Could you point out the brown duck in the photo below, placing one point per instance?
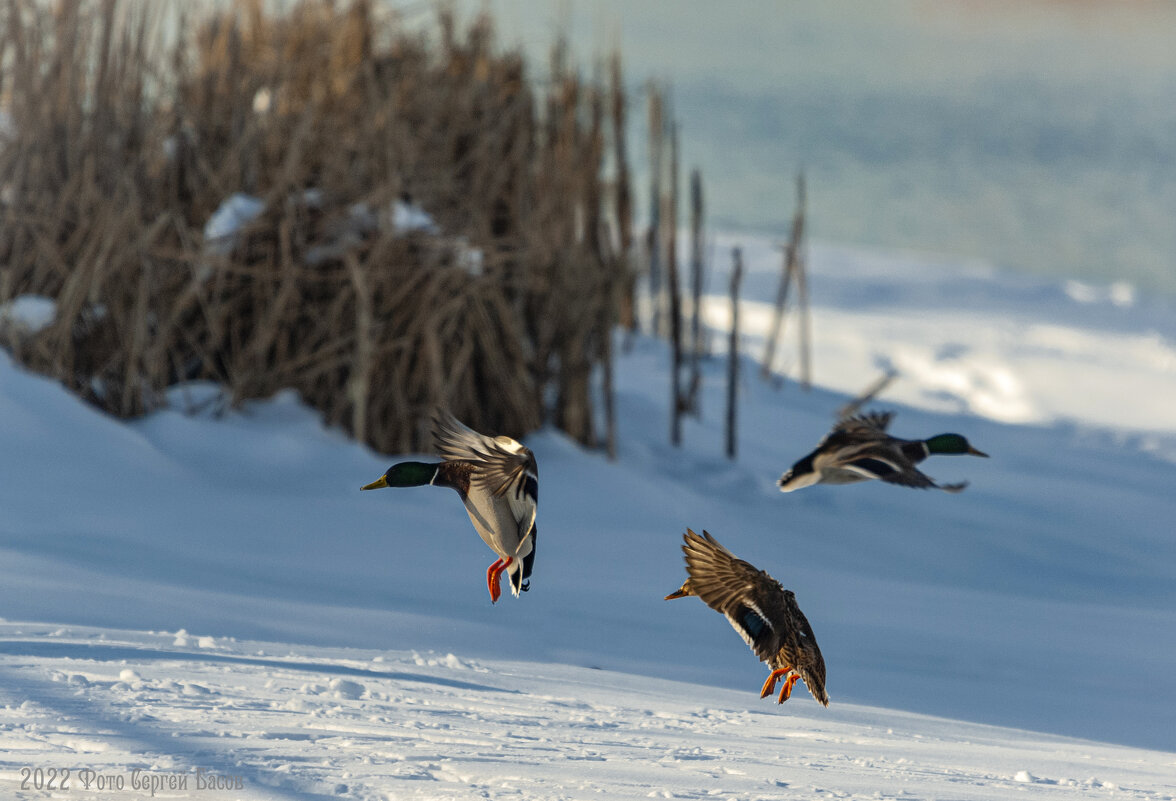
(760, 609)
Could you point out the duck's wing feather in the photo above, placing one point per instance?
(910, 477)
(501, 466)
(808, 661)
(870, 424)
(848, 436)
(748, 597)
(853, 433)
(888, 466)
(802, 625)
(894, 468)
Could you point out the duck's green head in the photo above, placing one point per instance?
(951, 443)
(405, 474)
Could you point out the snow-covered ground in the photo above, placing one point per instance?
(286, 722)
(325, 643)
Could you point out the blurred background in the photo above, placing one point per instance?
(1037, 135)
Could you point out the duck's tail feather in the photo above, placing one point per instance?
(515, 575)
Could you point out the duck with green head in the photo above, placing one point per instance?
(859, 449)
(497, 480)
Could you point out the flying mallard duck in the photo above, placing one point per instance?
(858, 448)
(498, 482)
(763, 612)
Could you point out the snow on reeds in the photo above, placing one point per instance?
(122, 142)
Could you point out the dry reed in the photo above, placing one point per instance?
(121, 146)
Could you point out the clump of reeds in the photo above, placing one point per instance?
(120, 148)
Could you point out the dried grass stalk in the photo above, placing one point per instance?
(120, 149)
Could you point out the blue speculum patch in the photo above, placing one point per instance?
(752, 623)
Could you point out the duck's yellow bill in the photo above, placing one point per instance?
(975, 452)
(379, 483)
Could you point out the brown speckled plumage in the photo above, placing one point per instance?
(764, 613)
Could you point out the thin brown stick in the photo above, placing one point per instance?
(656, 138)
(867, 395)
(693, 402)
(790, 266)
(677, 402)
(733, 355)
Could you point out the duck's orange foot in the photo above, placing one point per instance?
(494, 578)
(773, 677)
(786, 690)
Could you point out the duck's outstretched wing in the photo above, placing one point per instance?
(894, 468)
(850, 435)
(501, 466)
(868, 427)
(748, 597)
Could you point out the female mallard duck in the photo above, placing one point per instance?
(763, 612)
(858, 448)
(498, 482)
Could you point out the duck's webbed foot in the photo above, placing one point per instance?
(494, 578)
(773, 677)
(786, 690)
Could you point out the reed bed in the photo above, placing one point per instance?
(124, 139)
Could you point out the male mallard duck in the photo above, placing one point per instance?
(498, 482)
(858, 448)
(763, 612)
